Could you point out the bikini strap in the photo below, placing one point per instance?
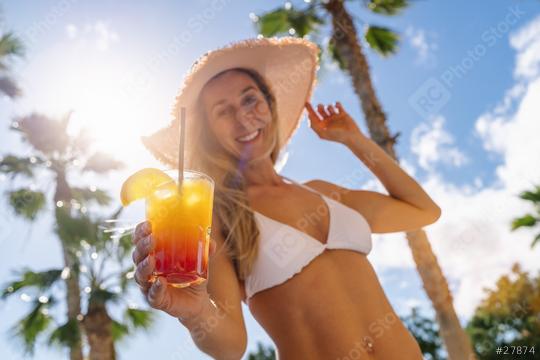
(302, 185)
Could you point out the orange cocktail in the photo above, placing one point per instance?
(181, 222)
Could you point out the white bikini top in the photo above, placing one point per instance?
(285, 250)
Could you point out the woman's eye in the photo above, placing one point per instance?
(249, 100)
(222, 112)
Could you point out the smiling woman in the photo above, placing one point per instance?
(296, 254)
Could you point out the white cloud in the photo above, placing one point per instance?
(105, 35)
(71, 31)
(99, 33)
(422, 42)
(472, 239)
(527, 42)
(433, 144)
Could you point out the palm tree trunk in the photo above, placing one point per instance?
(63, 194)
(345, 41)
(98, 327)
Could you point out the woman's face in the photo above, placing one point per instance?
(237, 113)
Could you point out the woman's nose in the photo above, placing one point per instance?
(246, 117)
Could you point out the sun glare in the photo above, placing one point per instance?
(95, 85)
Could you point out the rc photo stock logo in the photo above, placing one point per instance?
(435, 92)
(283, 247)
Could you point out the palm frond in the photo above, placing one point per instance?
(31, 326)
(40, 280)
(26, 203)
(72, 229)
(282, 20)
(102, 296)
(125, 277)
(273, 23)
(119, 330)
(533, 196)
(44, 134)
(383, 40)
(88, 195)
(101, 163)
(139, 318)
(13, 165)
(536, 241)
(524, 221)
(65, 335)
(334, 54)
(80, 143)
(9, 87)
(387, 7)
(10, 46)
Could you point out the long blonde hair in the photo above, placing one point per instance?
(231, 206)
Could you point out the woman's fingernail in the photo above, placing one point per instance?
(158, 283)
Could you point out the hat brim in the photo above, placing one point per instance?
(288, 64)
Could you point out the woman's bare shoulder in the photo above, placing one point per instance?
(327, 188)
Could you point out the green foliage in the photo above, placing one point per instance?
(88, 195)
(72, 229)
(13, 165)
(32, 325)
(383, 40)
(273, 23)
(508, 315)
(125, 279)
(529, 220)
(138, 318)
(27, 278)
(336, 56)
(125, 245)
(26, 203)
(533, 196)
(10, 46)
(119, 330)
(133, 319)
(426, 332)
(279, 21)
(387, 7)
(263, 353)
(102, 296)
(67, 334)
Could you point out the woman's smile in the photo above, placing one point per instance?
(250, 138)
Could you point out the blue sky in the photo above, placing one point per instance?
(119, 64)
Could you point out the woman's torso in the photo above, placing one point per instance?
(335, 307)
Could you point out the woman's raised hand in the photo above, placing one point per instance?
(182, 303)
(332, 123)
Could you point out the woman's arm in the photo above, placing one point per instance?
(211, 311)
(219, 328)
(407, 207)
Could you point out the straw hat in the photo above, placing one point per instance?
(288, 65)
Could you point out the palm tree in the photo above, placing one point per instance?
(345, 48)
(530, 220)
(426, 332)
(94, 259)
(263, 353)
(10, 47)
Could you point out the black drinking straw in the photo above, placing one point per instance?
(181, 148)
